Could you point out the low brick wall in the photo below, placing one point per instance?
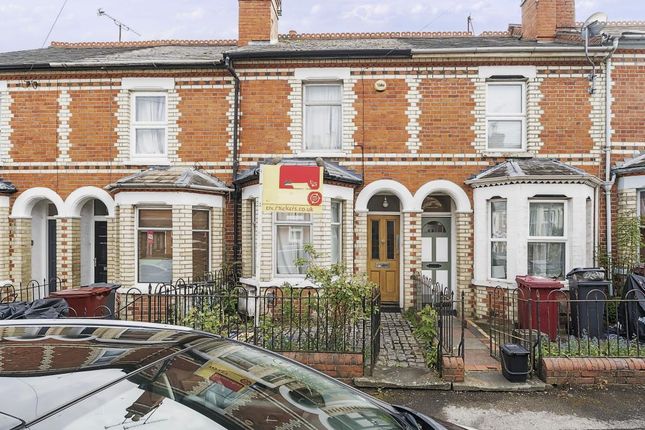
(593, 371)
(337, 365)
(452, 369)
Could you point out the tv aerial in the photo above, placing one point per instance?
(122, 26)
(593, 26)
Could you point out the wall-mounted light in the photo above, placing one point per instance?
(385, 202)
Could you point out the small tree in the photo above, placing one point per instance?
(625, 257)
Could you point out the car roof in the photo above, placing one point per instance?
(37, 357)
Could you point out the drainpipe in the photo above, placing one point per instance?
(609, 178)
(236, 164)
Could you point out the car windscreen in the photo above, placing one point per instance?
(223, 384)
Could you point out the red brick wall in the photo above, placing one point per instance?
(539, 19)
(203, 123)
(265, 120)
(446, 116)
(380, 116)
(343, 366)
(566, 116)
(93, 122)
(629, 104)
(255, 21)
(34, 124)
(593, 371)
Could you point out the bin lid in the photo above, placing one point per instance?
(102, 284)
(538, 282)
(587, 274)
(513, 349)
(82, 292)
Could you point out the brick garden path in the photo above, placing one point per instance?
(399, 348)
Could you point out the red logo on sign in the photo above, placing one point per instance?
(300, 177)
(315, 198)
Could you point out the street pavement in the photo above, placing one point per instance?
(556, 409)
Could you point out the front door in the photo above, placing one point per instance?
(435, 249)
(383, 255)
(100, 251)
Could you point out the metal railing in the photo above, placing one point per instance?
(451, 321)
(555, 325)
(30, 291)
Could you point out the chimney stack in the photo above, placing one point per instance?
(258, 21)
(541, 19)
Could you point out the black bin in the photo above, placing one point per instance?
(110, 303)
(589, 291)
(515, 362)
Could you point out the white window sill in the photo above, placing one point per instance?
(279, 282)
(150, 161)
(322, 154)
(520, 153)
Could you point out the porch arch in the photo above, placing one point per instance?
(22, 207)
(75, 201)
(458, 195)
(389, 186)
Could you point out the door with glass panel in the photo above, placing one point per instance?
(383, 255)
(435, 249)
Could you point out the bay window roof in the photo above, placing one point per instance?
(634, 165)
(532, 170)
(332, 171)
(171, 178)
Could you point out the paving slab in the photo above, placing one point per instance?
(495, 382)
(413, 378)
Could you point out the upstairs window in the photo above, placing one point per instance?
(149, 125)
(323, 117)
(506, 116)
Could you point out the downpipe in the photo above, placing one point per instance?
(236, 163)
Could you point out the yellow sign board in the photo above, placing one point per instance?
(290, 188)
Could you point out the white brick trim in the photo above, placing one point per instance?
(5, 123)
(64, 130)
(168, 198)
(413, 113)
(148, 84)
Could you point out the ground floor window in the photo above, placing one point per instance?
(155, 245)
(498, 239)
(201, 242)
(547, 239)
(336, 231)
(292, 233)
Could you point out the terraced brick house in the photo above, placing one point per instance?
(468, 158)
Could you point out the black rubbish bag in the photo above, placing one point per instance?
(38, 309)
(631, 313)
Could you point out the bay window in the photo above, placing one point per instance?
(498, 239)
(154, 233)
(506, 115)
(547, 240)
(323, 117)
(292, 233)
(201, 242)
(336, 231)
(149, 125)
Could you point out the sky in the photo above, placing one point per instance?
(24, 24)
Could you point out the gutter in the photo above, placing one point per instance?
(568, 179)
(95, 66)
(237, 195)
(320, 53)
(518, 49)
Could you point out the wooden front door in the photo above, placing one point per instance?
(383, 255)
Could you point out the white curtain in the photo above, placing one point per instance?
(546, 220)
(290, 247)
(323, 117)
(498, 219)
(150, 109)
(150, 141)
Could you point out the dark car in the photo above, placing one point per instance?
(95, 374)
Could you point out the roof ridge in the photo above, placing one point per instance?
(627, 22)
(145, 43)
(374, 35)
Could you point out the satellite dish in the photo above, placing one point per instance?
(595, 24)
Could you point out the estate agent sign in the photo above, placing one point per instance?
(292, 188)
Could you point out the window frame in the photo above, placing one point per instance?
(134, 125)
(136, 238)
(305, 104)
(523, 116)
(550, 239)
(208, 240)
(492, 239)
(253, 232)
(640, 193)
(339, 224)
(276, 223)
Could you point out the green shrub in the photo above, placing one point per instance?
(426, 330)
